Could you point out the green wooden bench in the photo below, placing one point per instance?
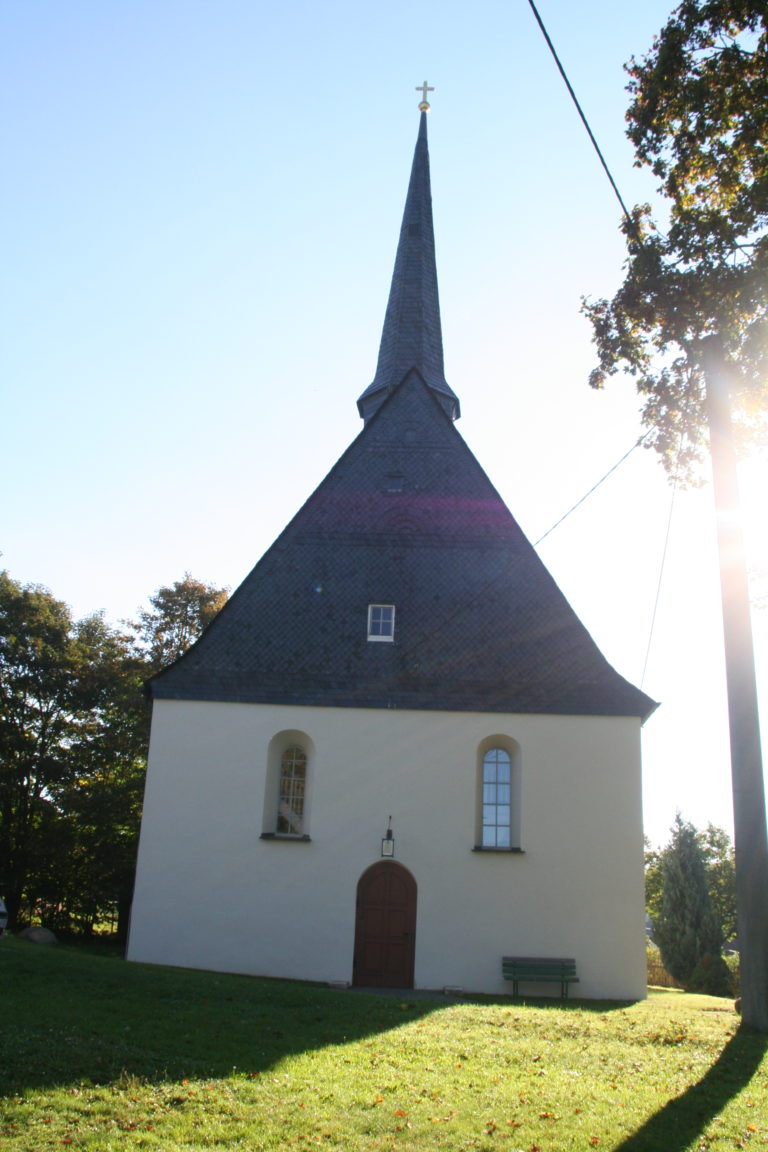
(539, 970)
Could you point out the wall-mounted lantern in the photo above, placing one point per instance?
(388, 841)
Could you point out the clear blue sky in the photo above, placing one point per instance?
(200, 207)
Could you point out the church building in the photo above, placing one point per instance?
(396, 755)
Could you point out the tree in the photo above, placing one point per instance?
(699, 119)
(720, 865)
(690, 322)
(653, 879)
(178, 615)
(686, 929)
(74, 729)
(52, 689)
(717, 855)
(101, 801)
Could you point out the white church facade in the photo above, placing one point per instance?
(396, 755)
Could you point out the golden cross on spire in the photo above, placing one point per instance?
(424, 88)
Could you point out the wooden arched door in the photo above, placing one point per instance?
(385, 927)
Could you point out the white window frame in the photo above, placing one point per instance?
(279, 746)
(496, 800)
(498, 791)
(376, 619)
(292, 791)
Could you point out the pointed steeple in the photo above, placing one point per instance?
(412, 337)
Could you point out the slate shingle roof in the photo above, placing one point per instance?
(406, 517)
(480, 624)
(412, 336)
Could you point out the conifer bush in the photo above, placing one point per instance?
(712, 977)
(686, 930)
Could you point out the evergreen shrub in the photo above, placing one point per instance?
(712, 976)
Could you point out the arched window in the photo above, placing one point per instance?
(497, 799)
(497, 825)
(293, 781)
(288, 786)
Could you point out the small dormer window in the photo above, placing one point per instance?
(381, 621)
(394, 482)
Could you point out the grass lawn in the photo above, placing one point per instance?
(98, 1054)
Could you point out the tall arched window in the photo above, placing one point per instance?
(292, 793)
(288, 786)
(497, 821)
(497, 799)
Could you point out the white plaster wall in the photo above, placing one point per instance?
(210, 893)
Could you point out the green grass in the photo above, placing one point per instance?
(101, 1055)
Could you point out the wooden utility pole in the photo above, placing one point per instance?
(749, 822)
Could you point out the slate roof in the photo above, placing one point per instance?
(412, 336)
(406, 517)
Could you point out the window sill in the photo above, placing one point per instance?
(503, 851)
(285, 836)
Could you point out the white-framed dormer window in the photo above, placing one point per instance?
(381, 621)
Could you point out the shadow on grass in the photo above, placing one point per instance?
(70, 1016)
(73, 1016)
(679, 1123)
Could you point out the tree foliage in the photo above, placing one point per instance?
(717, 853)
(177, 616)
(48, 689)
(686, 927)
(698, 118)
(74, 729)
(720, 865)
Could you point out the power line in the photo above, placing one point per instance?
(594, 488)
(676, 479)
(584, 121)
(658, 585)
(483, 592)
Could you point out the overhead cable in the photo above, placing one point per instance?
(594, 487)
(585, 122)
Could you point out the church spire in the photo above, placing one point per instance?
(412, 335)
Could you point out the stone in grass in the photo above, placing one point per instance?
(38, 935)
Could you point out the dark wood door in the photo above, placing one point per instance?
(385, 927)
